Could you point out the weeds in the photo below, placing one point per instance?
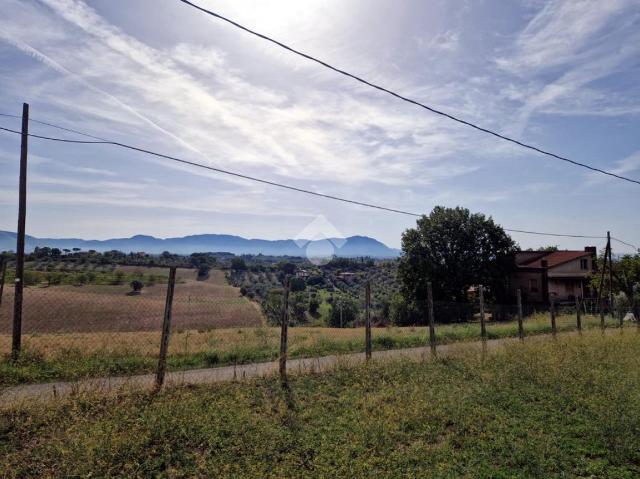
(564, 408)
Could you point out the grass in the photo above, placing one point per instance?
(564, 408)
(72, 356)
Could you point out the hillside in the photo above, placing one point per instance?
(352, 246)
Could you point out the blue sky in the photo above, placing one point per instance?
(564, 75)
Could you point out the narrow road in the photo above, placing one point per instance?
(59, 390)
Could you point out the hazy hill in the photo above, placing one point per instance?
(349, 247)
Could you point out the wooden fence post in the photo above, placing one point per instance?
(284, 329)
(16, 341)
(166, 329)
(579, 314)
(431, 319)
(483, 328)
(602, 315)
(520, 325)
(367, 320)
(552, 310)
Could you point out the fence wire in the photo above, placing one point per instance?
(108, 322)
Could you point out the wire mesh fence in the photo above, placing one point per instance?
(110, 323)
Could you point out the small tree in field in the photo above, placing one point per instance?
(136, 286)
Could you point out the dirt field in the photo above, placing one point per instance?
(101, 308)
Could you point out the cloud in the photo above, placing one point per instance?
(629, 164)
(566, 47)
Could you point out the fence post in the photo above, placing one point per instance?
(579, 314)
(483, 328)
(284, 329)
(3, 274)
(367, 320)
(552, 310)
(431, 319)
(16, 342)
(166, 329)
(520, 325)
(601, 315)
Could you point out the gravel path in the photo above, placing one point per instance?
(59, 390)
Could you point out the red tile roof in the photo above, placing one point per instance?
(555, 258)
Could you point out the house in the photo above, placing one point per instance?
(558, 275)
(303, 273)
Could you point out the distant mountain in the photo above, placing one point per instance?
(346, 247)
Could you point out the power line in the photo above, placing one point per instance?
(260, 180)
(404, 98)
(70, 130)
(218, 170)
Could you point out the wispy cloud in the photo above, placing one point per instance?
(566, 47)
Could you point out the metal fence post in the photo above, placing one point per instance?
(520, 325)
(367, 320)
(284, 329)
(552, 310)
(483, 328)
(166, 329)
(431, 319)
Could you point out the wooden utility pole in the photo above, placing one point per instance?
(483, 328)
(431, 319)
(367, 319)
(520, 325)
(610, 276)
(16, 343)
(166, 329)
(284, 328)
(601, 288)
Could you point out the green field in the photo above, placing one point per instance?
(563, 408)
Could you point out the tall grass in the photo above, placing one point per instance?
(563, 408)
(73, 356)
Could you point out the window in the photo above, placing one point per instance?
(533, 285)
(584, 263)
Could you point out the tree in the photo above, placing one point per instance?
(402, 312)
(287, 268)
(238, 264)
(626, 278)
(272, 306)
(314, 305)
(118, 276)
(454, 249)
(297, 308)
(297, 284)
(344, 312)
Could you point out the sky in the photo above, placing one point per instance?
(563, 75)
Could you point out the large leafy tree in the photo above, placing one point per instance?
(455, 249)
(625, 275)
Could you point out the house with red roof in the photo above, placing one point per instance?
(558, 275)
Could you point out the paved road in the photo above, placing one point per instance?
(58, 390)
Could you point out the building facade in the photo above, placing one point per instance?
(562, 276)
